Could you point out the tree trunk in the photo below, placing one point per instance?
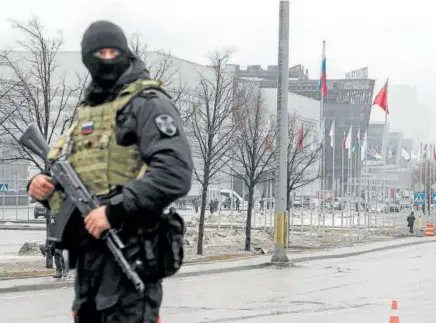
(249, 213)
(288, 199)
(202, 216)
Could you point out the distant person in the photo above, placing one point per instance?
(61, 269)
(196, 204)
(237, 204)
(211, 206)
(411, 221)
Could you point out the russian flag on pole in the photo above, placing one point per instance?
(322, 84)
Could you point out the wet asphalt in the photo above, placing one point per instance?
(356, 289)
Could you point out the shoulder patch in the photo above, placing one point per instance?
(166, 124)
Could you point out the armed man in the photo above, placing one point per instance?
(129, 150)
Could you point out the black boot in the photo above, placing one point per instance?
(58, 274)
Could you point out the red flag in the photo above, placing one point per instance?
(300, 139)
(382, 98)
(269, 143)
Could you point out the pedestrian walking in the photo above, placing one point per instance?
(411, 221)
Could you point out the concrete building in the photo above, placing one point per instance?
(184, 74)
(270, 73)
(348, 102)
(389, 176)
(307, 112)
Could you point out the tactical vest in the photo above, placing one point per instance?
(92, 150)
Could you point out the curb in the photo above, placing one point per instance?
(27, 274)
(358, 253)
(66, 284)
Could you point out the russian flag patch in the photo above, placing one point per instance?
(87, 128)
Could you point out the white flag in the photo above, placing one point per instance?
(405, 154)
(414, 156)
(347, 143)
(332, 135)
(364, 148)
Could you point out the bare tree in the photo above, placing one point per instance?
(38, 93)
(303, 154)
(212, 129)
(165, 70)
(252, 151)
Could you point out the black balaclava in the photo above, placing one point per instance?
(99, 35)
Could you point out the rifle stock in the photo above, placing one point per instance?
(76, 196)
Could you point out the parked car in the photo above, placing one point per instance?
(297, 202)
(40, 211)
(394, 208)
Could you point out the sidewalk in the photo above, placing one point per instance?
(189, 270)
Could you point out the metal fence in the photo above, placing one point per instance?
(14, 200)
(310, 228)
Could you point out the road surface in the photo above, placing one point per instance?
(357, 289)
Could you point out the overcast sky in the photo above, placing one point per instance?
(395, 39)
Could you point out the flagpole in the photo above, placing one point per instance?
(427, 196)
(359, 176)
(429, 183)
(333, 138)
(410, 171)
(342, 181)
(323, 168)
(385, 150)
(420, 168)
(432, 177)
(354, 175)
(324, 175)
(425, 187)
(333, 158)
(420, 165)
(385, 138)
(365, 156)
(350, 171)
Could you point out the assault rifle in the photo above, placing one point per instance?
(76, 196)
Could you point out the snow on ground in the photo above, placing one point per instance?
(225, 234)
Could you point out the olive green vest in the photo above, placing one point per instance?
(93, 152)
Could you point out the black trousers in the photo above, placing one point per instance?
(59, 260)
(103, 293)
(129, 309)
